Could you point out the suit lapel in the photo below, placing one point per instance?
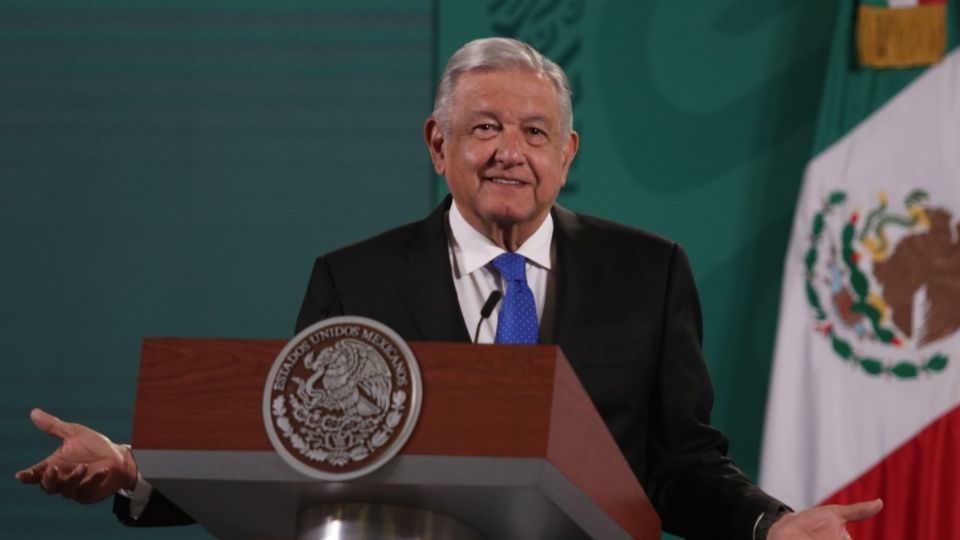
(582, 277)
(425, 281)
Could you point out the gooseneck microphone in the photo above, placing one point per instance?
(486, 310)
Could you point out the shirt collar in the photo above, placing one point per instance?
(474, 250)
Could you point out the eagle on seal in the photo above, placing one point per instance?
(349, 376)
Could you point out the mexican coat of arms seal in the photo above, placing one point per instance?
(342, 398)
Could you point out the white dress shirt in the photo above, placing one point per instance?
(475, 277)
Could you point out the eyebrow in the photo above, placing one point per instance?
(524, 119)
(535, 118)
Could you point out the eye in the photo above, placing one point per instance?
(536, 136)
(484, 130)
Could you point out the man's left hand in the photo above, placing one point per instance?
(822, 522)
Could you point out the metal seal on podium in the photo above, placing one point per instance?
(342, 398)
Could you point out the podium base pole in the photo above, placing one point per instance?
(363, 521)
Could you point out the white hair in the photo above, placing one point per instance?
(495, 54)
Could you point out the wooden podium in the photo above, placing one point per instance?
(507, 442)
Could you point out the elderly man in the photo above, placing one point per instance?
(621, 303)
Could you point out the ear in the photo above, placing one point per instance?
(433, 136)
(569, 151)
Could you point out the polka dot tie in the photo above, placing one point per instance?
(518, 312)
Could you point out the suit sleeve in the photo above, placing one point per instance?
(699, 492)
(322, 299)
(160, 511)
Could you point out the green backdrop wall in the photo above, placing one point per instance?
(172, 168)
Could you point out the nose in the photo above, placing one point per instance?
(510, 148)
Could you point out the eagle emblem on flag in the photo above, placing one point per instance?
(882, 282)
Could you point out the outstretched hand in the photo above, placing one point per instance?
(87, 467)
(823, 522)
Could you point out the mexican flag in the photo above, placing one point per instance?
(864, 398)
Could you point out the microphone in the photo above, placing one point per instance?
(486, 310)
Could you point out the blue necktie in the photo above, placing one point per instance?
(517, 321)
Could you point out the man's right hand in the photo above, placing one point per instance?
(87, 467)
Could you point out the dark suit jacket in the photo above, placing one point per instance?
(627, 317)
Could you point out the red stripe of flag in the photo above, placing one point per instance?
(920, 486)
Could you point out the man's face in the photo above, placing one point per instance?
(503, 156)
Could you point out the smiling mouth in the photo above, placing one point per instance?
(505, 181)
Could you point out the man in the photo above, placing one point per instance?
(621, 304)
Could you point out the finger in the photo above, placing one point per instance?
(88, 489)
(49, 482)
(860, 510)
(50, 424)
(69, 484)
(33, 474)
